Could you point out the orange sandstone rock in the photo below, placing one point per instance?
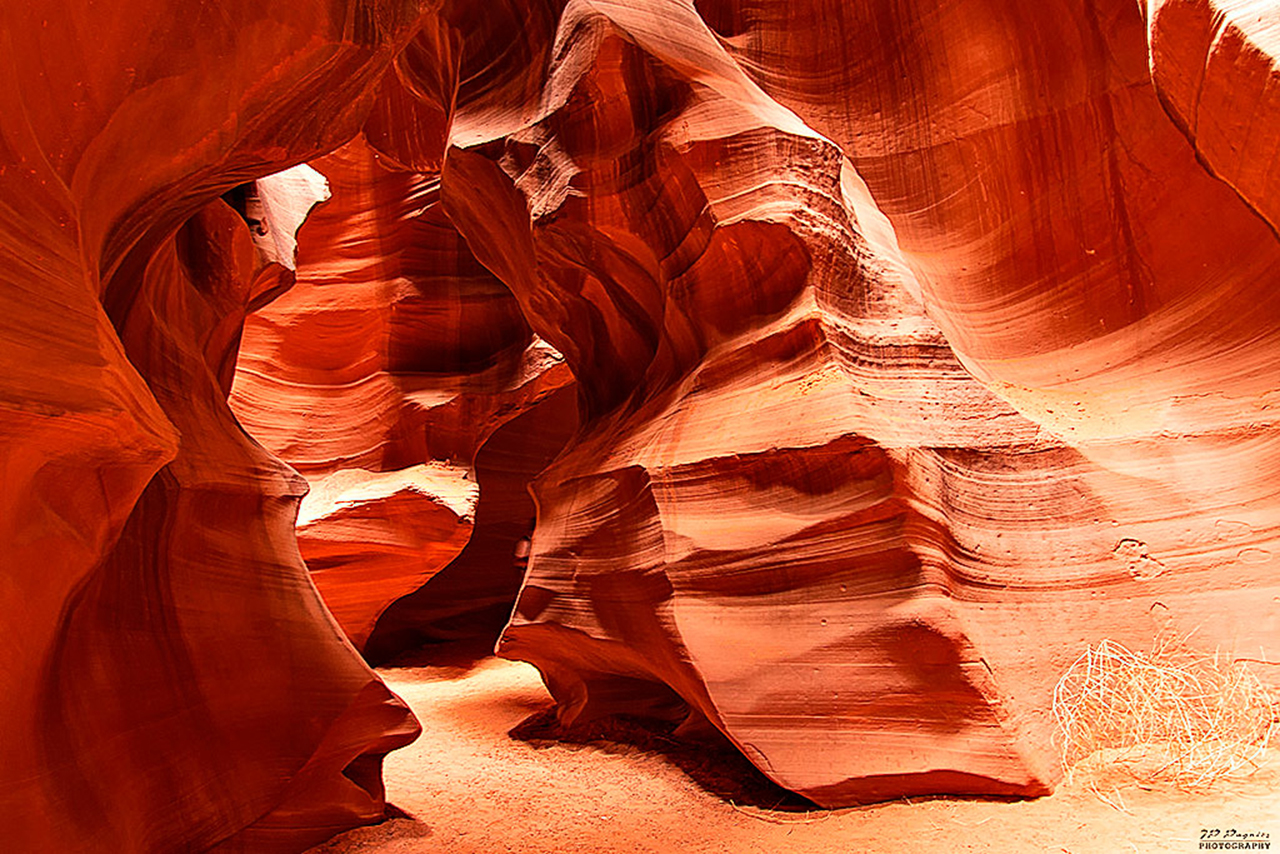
(893, 326)
(170, 679)
(867, 360)
(370, 538)
(380, 376)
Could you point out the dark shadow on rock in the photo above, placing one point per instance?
(473, 596)
(393, 811)
(449, 659)
(711, 762)
(397, 824)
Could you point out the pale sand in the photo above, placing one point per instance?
(467, 785)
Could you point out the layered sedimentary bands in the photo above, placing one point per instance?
(852, 364)
(380, 377)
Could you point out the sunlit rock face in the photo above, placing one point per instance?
(380, 377)
(1212, 63)
(865, 360)
(917, 350)
(171, 681)
(383, 535)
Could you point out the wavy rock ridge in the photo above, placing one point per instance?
(171, 680)
(866, 360)
(379, 377)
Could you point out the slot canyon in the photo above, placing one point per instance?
(813, 381)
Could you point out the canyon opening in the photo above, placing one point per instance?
(579, 426)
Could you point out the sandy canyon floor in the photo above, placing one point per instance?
(492, 773)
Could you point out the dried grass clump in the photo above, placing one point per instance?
(1172, 715)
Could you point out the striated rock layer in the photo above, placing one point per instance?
(472, 598)
(917, 350)
(383, 536)
(171, 681)
(380, 376)
(867, 360)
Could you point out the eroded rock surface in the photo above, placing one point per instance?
(369, 538)
(867, 361)
(396, 355)
(894, 326)
(171, 681)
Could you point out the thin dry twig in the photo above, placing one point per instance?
(1172, 714)
(778, 820)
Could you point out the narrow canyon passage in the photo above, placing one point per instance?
(871, 402)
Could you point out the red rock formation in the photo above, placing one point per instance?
(171, 681)
(1065, 237)
(369, 539)
(471, 599)
(916, 345)
(1212, 63)
(395, 349)
(794, 512)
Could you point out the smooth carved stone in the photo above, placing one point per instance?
(1065, 232)
(370, 538)
(471, 599)
(1213, 63)
(170, 680)
(879, 365)
(398, 356)
(395, 346)
(863, 361)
